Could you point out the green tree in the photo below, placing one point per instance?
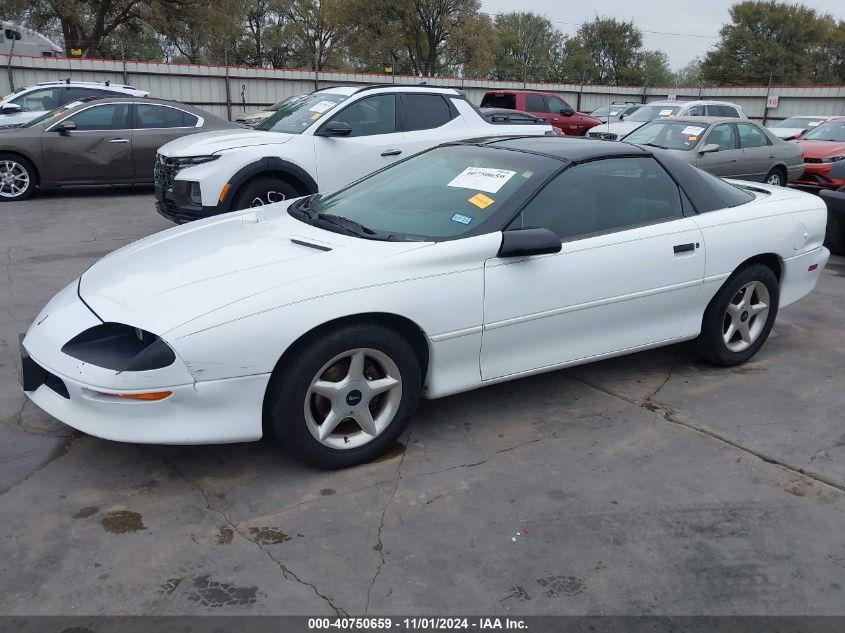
(689, 75)
(786, 42)
(524, 45)
(656, 71)
(614, 47)
(316, 32)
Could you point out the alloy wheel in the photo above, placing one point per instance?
(353, 398)
(14, 179)
(745, 317)
(774, 179)
(268, 197)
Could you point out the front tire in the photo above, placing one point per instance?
(262, 191)
(17, 178)
(776, 177)
(345, 397)
(740, 317)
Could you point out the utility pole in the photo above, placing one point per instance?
(228, 86)
(766, 104)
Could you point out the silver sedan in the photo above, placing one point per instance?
(728, 148)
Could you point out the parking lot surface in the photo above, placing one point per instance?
(649, 484)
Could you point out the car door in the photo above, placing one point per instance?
(725, 162)
(629, 269)
(98, 150)
(430, 119)
(536, 104)
(375, 142)
(573, 124)
(154, 125)
(758, 153)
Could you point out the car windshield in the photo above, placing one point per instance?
(47, 117)
(287, 100)
(439, 194)
(832, 131)
(652, 112)
(800, 122)
(296, 114)
(613, 110)
(668, 134)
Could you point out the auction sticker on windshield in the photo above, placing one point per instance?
(482, 178)
(322, 106)
(692, 130)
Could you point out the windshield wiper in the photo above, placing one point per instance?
(655, 145)
(305, 205)
(355, 228)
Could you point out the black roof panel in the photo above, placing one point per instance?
(569, 148)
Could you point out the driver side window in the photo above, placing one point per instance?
(556, 105)
(370, 116)
(603, 196)
(722, 135)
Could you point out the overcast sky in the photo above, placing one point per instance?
(676, 16)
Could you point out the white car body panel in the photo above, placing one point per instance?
(19, 118)
(623, 128)
(231, 294)
(331, 162)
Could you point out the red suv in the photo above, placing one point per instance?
(542, 104)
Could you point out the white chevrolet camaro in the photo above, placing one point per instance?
(323, 320)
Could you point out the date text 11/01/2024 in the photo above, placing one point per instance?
(418, 623)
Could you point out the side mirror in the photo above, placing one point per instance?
(567, 111)
(524, 242)
(335, 128)
(66, 127)
(709, 148)
(11, 108)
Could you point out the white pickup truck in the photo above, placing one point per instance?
(316, 143)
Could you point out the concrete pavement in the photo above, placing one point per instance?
(650, 484)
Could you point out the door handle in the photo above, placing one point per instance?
(391, 152)
(684, 248)
(119, 140)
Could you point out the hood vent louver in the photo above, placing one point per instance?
(318, 247)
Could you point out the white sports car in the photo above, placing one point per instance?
(322, 320)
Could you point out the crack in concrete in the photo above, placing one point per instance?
(670, 415)
(60, 451)
(288, 573)
(379, 546)
(489, 457)
(9, 270)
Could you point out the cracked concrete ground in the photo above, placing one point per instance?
(650, 484)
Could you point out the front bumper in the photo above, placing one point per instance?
(77, 393)
(817, 176)
(175, 204)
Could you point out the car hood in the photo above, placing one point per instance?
(178, 275)
(822, 149)
(786, 132)
(620, 129)
(207, 143)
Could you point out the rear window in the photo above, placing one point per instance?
(499, 100)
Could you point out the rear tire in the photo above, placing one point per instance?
(345, 397)
(835, 233)
(17, 178)
(740, 317)
(262, 191)
(776, 177)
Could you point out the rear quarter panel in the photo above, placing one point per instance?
(783, 222)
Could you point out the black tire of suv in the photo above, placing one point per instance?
(259, 188)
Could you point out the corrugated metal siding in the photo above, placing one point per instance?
(253, 88)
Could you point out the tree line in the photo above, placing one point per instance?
(765, 41)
